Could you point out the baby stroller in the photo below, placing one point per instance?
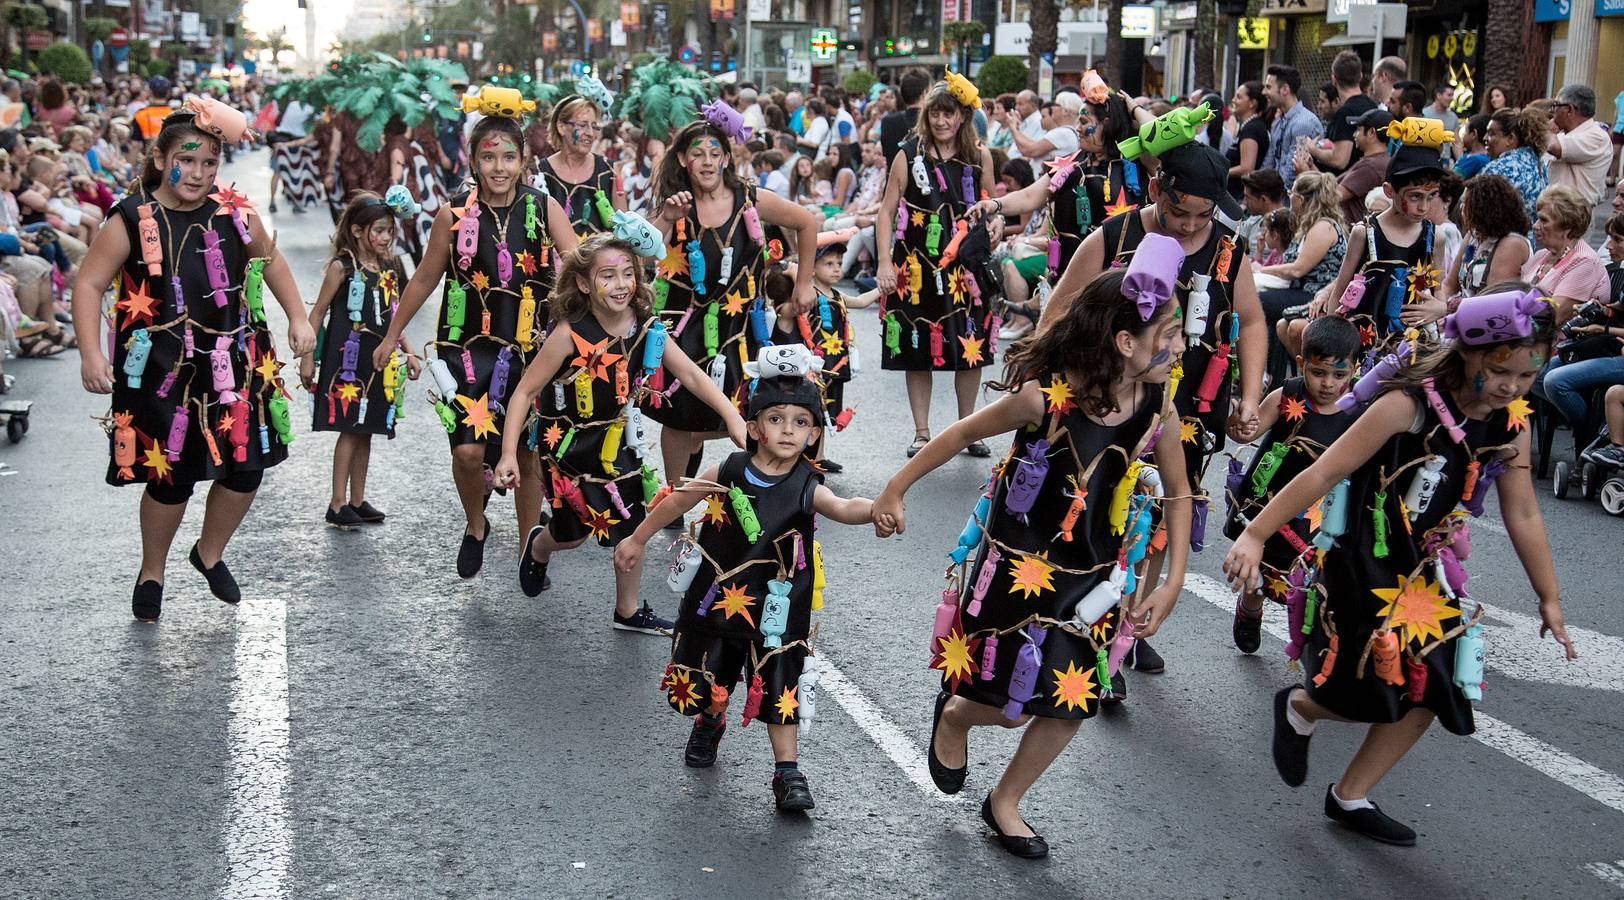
(1600, 475)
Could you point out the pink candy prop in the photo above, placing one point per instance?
(218, 119)
(1493, 318)
(1153, 273)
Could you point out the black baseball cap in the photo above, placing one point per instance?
(788, 390)
(1409, 160)
(1200, 171)
(1372, 118)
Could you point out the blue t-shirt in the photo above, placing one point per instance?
(1471, 164)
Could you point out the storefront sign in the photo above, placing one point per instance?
(1337, 10)
(1138, 22)
(1291, 7)
(1610, 7)
(1552, 10)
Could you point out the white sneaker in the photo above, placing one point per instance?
(1015, 331)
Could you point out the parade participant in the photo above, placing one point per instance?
(1393, 638)
(494, 246)
(603, 346)
(752, 578)
(354, 307)
(1222, 317)
(934, 318)
(582, 181)
(193, 371)
(1030, 621)
(1300, 419)
(708, 284)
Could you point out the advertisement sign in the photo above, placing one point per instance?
(1138, 22)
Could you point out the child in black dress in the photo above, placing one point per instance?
(357, 301)
(751, 580)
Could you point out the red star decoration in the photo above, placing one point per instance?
(527, 263)
(137, 304)
(1367, 335)
(231, 200)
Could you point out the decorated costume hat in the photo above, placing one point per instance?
(635, 230)
(590, 88)
(1200, 171)
(1153, 274)
(719, 113)
(1414, 143)
(218, 119)
(963, 90)
(1495, 318)
(498, 101)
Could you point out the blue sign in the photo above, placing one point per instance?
(1609, 8)
(1552, 10)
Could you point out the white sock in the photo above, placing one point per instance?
(1298, 724)
(1351, 805)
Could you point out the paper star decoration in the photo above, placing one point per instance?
(832, 344)
(735, 602)
(224, 425)
(268, 366)
(1121, 205)
(956, 656)
(527, 262)
(552, 435)
(682, 692)
(715, 513)
(786, 704)
(480, 281)
(594, 356)
(1031, 575)
(674, 263)
(478, 415)
(1418, 609)
(600, 523)
(348, 391)
(1519, 411)
(1277, 588)
(1316, 514)
(1367, 335)
(1060, 397)
(1187, 431)
(972, 348)
(1073, 688)
(1105, 628)
(1423, 277)
(137, 304)
(735, 303)
(231, 199)
(918, 218)
(1293, 409)
(155, 459)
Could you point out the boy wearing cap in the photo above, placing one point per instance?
(1370, 138)
(751, 579)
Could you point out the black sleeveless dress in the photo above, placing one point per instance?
(938, 322)
(502, 322)
(711, 323)
(351, 397)
(207, 402)
(719, 624)
(597, 481)
(1023, 566)
(1392, 275)
(580, 199)
(1093, 191)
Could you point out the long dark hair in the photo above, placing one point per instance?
(1082, 343)
(965, 147)
(364, 209)
(178, 126)
(1446, 365)
(1115, 124)
(494, 126)
(569, 304)
(671, 176)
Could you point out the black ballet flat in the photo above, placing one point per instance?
(221, 584)
(948, 781)
(1034, 847)
(471, 555)
(147, 603)
(532, 572)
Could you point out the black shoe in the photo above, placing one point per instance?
(273, 207)
(701, 750)
(471, 555)
(1146, 659)
(1117, 692)
(344, 518)
(791, 793)
(148, 601)
(830, 466)
(221, 584)
(1248, 628)
(1290, 748)
(1034, 847)
(644, 620)
(532, 572)
(948, 781)
(979, 449)
(1370, 821)
(369, 514)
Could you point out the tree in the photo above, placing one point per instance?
(66, 61)
(1111, 71)
(21, 18)
(1045, 36)
(1515, 50)
(99, 28)
(1001, 75)
(961, 36)
(857, 82)
(1207, 35)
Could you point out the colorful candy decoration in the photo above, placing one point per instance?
(696, 267)
(1023, 678)
(1470, 648)
(1423, 485)
(1352, 295)
(1027, 480)
(775, 613)
(1330, 661)
(214, 260)
(253, 291)
(456, 309)
(1333, 515)
(1174, 128)
(135, 358)
(467, 243)
(807, 690)
(1197, 306)
(281, 417)
(147, 230)
(921, 177)
(1217, 368)
(745, 513)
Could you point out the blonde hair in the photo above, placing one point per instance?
(569, 304)
(1315, 197)
(562, 112)
(1567, 208)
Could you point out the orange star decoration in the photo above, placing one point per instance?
(1031, 575)
(600, 523)
(1518, 410)
(674, 263)
(1121, 205)
(1417, 607)
(1073, 688)
(594, 356)
(552, 436)
(268, 366)
(972, 348)
(786, 704)
(1060, 397)
(956, 655)
(1293, 409)
(832, 344)
(137, 304)
(735, 602)
(715, 513)
(1316, 514)
(155, 460)
(480, 281)
(224, 425)
(1187, 433)
(735, 303)
(682, 692)
(918, 218)
(527, 262)
(479, 415)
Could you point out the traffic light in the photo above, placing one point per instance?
(427, 36)
(333, 67)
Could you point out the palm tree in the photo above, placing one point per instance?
(1507, 22)
(1206, 43)
(1045, 37)
(1112, 68)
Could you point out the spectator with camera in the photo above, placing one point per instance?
(1590, 348)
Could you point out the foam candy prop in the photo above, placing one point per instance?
(218, 119)
(1493, 318)
(1153, 274)
(729, 120)
(500, 101)
(1171, 129)
(635, 230)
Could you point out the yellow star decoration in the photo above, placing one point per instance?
(1293, 409)
(1073, 688)
(479, 415)
(1060, 397)
(155, 460)
(682, 692)
(918, 218)
(348, 391)
(599, 522)
(1031, 575)
(735, 602)
(137, 304)
(715, 513)
(224, 425)
(1187, 431)
(735, 303)
(674, 263)
(1423, 277)
(832, 344)
(972, 348)
(268, 366)
(1277, 588)
(1121, 205)
(1518, 410)
(552, 435)
(1418, 609)
(786, 704)
(480, 281)
(594, 355)
(956, 657)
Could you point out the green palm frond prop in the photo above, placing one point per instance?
(664, 96)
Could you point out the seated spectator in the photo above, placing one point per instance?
(1563, 266)
(1370, 169)
(770, 173)
(1494, 245)
(1262, 192)
(1515, 138)
(1595, 356)
(1319, 241)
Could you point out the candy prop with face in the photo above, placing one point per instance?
(135, 360)
(1174, 128)
(590, 88)
(780, 360)
(645, 239)
(963, 90)
(719, 113)
(400, 202)
(497, 101)
(214, 259)
(218, 119)
(1494, 318)
(151, 250)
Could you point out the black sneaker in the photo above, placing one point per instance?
(791, 793)
(1290, 748)
(344, 518)
(1117, 692)
(1146, 659)
(471, 555)
(701, 750)
(1370, 821)
(221, 584)
(368, 513)
(644, 620)
(532, 572)
(1248, 628)
(148, 601)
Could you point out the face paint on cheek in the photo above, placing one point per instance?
(1477, 382)
(1537, 360)
(1161, 358)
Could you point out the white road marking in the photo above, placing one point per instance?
(902, 750)
(1517, 650)
(1599, 785)
(258, 841)
(1612, 873)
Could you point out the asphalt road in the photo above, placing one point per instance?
(367, 725)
